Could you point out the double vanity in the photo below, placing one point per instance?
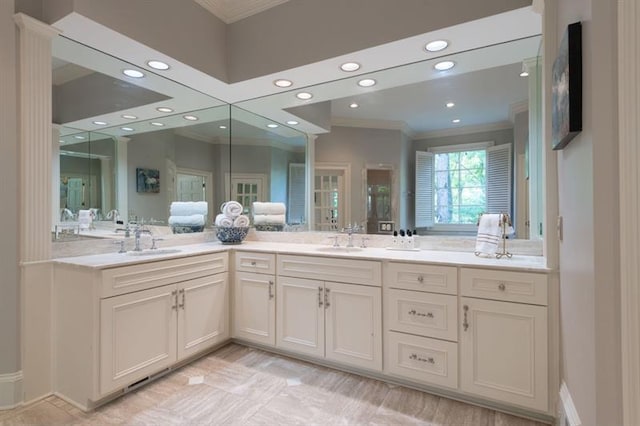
(470, 328)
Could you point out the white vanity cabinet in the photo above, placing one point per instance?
(254, 292)
(163, 312)
(337, 321)
(504, 336)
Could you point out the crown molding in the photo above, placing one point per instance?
(239, 141)
(230, 11)
(516, 108)
(27, 22)
(502, 125)
(373, 124)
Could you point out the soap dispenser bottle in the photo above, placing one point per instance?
(410, 240)
(394, 241)
(403, 239)
(416, 240)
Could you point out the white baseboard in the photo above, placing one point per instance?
(10, 390)
(569, 413)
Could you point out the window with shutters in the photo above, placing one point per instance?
(455, 184)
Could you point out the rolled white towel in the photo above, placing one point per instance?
(241, 221)
(269, 219)
(187, 220)
(269, 208)
(187, 208)
(223, 220)
(231, 209)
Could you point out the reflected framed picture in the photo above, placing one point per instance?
(567, 88)
(147, 180)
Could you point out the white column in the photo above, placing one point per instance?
(35, 137)
(55, 175)
(122, 171)
(535, 148)
(310, 160)
(106, 171)
(629, 158)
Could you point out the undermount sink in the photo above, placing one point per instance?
(331, 249)
(154, 252)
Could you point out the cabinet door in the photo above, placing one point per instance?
(354, 325)
(202, 314)
(137, 336)
(255, 308)
(300, 315)
(503, 352)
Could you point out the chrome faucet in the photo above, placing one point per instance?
(137, 232)
(350, 230)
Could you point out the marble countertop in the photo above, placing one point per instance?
(111, 260)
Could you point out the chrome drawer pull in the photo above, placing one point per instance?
(253, 263)
(420, 314)
(502, 287)
(270, 289)
(319, 297)
(181, 305)
(429, 360)
(465, 322)
(420, 279)
(174, 294)
(326, 298)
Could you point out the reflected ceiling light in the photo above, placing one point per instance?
(129, 116)
(353, 105)
(133, 73)
(450, 104)
(444, 65)
(436, 45)
(190, 117)
(79, 137)
(272, 125)
(350, 66)
(164, 109)
(524, 74)
(100, 123)
(223, 126)
(283, 83)
(304, 95)
(367, 82)
(127, 129)
(61, 141)
(455, 120)
(156, 123)
(525, 71)
(158, 65)
(293, 122)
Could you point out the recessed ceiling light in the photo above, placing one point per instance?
(190, 117)
(223, 126)
(304, 95)
(156, 123)
(367, 82)
(158, 65)
(164, 109)
(444, 65)
(353, 105)
(272, 125)
(450, 104)
(455, 120)
(127, 129)
(133, 73)
(293, 122)
(283, 83)
(100, 123)
(61, 141)
(79, 137)
(350, 66)
(436, 45)
(129, 116)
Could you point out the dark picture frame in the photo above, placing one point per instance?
(567, 88)
(147, 180)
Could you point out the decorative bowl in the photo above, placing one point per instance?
(232, 234)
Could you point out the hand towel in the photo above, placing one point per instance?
(489, 234)
(85, 218)
(269, 219)
(187, 220)
(231, 209)
(223, 220)
(241, 221)
(269, 208)
(187, 208)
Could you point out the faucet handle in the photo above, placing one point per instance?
(153, 242)
(121, 242)
(364, 242)
(335, 240)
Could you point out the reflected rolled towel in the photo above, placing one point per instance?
(489, 234)
(231, 209)
(269, 208)
(187, 220)
(269, 219)
(187, 208)
(241, 221)
(223, 220)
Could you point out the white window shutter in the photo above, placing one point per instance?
(295, 204)
(499, 179)
(424, 189)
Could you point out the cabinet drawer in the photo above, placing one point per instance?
(153, 274)
(520, 287)
(365, 272)
(420, 359)
(411, 276)
(425, 314)
(249, 261)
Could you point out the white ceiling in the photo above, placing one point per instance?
(230, 11)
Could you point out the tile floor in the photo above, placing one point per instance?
(245, 386)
